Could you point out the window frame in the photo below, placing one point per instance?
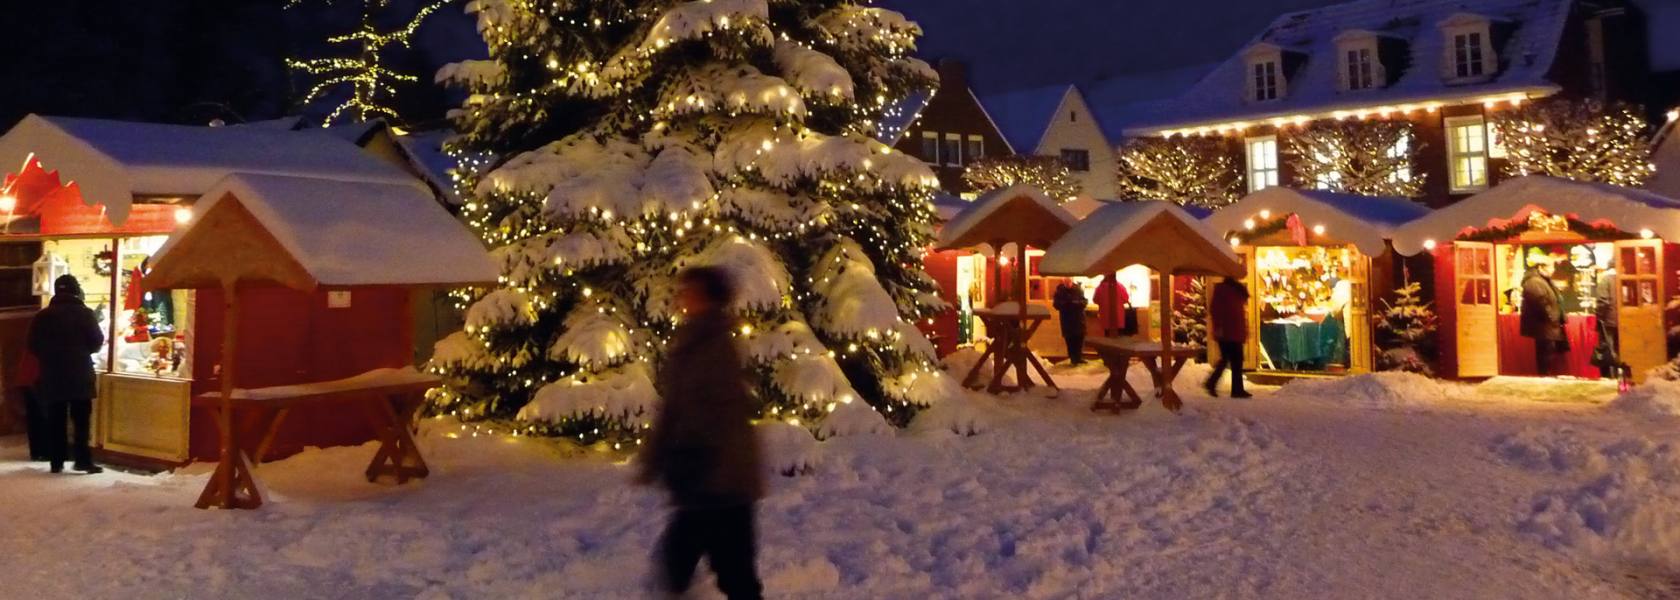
(1359, 63)
(930, 147)
(1083, 165)
(1469, 51)
(1264, 75)
(1271, 173)
(974, 147)
(950, 150)
(1455, 153)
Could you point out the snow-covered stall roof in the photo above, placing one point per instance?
(1153, 233)
(1525, 59)
(1626, 208)
(1365, 221)
(114, 161)
(1022, 116)
(336, 233)
(1018, 213)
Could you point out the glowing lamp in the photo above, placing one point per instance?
(8, 203)
(1429, 244)
(1647, 234)
(182, 214)
(1248, 224)
(1674, 115)
(1003, 261)
(1235, 241)
(1318, 230)
(1265, 214)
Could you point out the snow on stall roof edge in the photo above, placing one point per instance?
(1111, 225)
(990, 202)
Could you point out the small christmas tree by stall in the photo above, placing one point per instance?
(1371, 158)
(1190, 315)
(1044, 172)
(1583, 140)
(1182, 170)
(1407, 327)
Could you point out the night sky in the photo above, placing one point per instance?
(189, 61)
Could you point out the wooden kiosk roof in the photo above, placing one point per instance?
(1016, 214)
(1153, 233)
(1628, 209)
(1364, 221)
(302, 233)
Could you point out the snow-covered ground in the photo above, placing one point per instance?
(1374, 487)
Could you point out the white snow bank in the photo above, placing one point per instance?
(962, 414)
(1547, 389)
(1372, 390)
(1548, 450)
(1655, 398)
(1628, 508)
(788, 449)
(853, 418)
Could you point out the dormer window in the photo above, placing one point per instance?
(1363, 56)
(1361, 69)
(1268, 72)
(1468, 55)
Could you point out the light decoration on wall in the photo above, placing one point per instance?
(1385, 111)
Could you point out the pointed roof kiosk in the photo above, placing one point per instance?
(1169, 241)
(1022, 215)
(310, 234)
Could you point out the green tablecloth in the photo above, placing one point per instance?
(1294, 344)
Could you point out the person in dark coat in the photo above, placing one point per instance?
(1069, 302)
(1542, 316)
(1228, 312)
(63, 338)
(1608, 354)
(702, 447)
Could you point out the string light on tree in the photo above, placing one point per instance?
(367, 83)
(1583, 140)
(1045, 172)
(1365, 157)
(1182, 170)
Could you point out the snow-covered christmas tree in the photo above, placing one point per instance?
(608, 145)
(1408, 327)
(1190, 314)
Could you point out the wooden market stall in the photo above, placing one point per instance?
(1021, 216)
(1167, 240)
(1316, 263)
(329, 251)
(96, 199)
(1615, 253)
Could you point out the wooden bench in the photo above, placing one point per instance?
(1116, 393)
(387, 398)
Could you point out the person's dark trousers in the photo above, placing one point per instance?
(1230, 357)
(724, 535)
(1075, 338)
(78, 414)
(1544, 350)
(35, 418)
(1610, 353)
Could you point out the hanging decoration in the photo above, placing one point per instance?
(1182, 170)
(1047, 173)
(1369, 158)
(1583, 140)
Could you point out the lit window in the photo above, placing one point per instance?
(1265, 81)
(951, 151)
(1262, 163)
(975, 148)
(930, 147)
(1467, 55)
(1076, 160)
(1467, 153)
(1403, 150)
(1330, 179)
(1361, 72)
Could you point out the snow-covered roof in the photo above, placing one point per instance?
(425, 153)
(1110, 240)
(903, 114)
(1666, 157)
(1015, 213)
(1627, 209)
(346, 233)
(1525, 59)
(113, 161)
(1365, 221)
(1022, 116)
(949, 205)
(1125, 100)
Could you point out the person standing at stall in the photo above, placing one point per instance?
(1070, 304)
(64, 336)
(1112, 301)
(1606, 356)
(1542, 315)
(1229, 313)
(702, 447)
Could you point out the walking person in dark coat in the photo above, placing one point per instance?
(702, 447)
(63, 337)
(1229, 313)
(1542, 316)
(1069, 301)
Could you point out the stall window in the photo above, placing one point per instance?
(153, 333)
(17, 275)
(1467, 152)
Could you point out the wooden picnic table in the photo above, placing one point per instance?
(1116, 393)
(388, 398)
(1010, 331)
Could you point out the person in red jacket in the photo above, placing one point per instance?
(1229, 313)
(1112, 301)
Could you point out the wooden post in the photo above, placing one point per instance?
(1019, 356)
(1166, 310)
(233, 473)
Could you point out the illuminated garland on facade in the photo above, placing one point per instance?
(1369, 158)
(1583, 140)
(1045, 172)
(1186, 171)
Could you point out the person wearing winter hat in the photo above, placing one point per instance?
(63, 338)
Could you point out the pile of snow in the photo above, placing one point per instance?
(1655, 398)
(963, 414)
(788, 449)
(1372, 390)
(1548, 389)
(1628, 507)
(959, 363)
(853, 418)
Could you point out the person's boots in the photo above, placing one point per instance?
(1212, 387)
(57, 466)
(90, 468)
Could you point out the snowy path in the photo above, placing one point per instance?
(1284, 496)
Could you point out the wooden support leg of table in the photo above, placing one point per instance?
(233, 484)
(1169, 398)
(398, 454)
(268, 428)
(968, 380)
(1116, 394)
(1027, 352)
